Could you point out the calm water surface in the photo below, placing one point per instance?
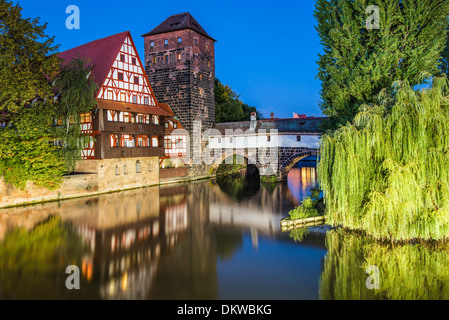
(217, 239)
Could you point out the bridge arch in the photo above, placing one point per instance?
(219, 158)
(287, 164)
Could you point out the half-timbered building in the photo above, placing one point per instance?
(127, 126)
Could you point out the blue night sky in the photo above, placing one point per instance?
(266, 50)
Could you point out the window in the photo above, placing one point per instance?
(116, 171)
(114, 141)
(178, 56)
(122, 58)
(133, 60)
(179, 40)
(124, 168)
(154, 59)
(201, 91)
(120, 76)
(127, 141)
(166, 58)
(167, 143)
(166, 42)
(298, 138)
(155, 120)
(196, 41)
(155, 141)
(207, 47)
(136, 80)
(122, 97)
(179, 144)
(175, 125)
(152, 44)
(201, 76)
(146, 101)
(268, 138)
(208, 63)
(143, 141)
(142, 118)
(85, 118)
(137, 166)
(134, 98)
(109, 94)
(149, 167)
(166, 125)
(127, 117)
(113, 115)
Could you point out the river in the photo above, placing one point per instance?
(213, 239)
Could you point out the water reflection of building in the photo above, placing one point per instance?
(301, 179)
(127, 238)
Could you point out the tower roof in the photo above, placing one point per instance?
(179, 22)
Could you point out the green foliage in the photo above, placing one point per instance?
(298, 234)
(305, 210)
(387, 173)
(406, 272)
(26, 67)
(32, 263)
(228, 107)
(26, 59)
(445, 56)
(358, 63)
(76, 96)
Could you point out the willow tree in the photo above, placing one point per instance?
(359, 59)
(76, 91)
(388, 172)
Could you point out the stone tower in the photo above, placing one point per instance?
(180, 64)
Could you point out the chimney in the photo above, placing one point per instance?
(253, 121)
(253, 116)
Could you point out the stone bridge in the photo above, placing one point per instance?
(273, 145)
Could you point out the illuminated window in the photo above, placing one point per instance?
(178, 56)
(155, 141)
(207, 47)
(109, 94)
(122, 97)
(167, 143)
(155, 120)
(127, 141)
(154, 59)
(85, 118)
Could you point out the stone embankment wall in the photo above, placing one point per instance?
(95, 176)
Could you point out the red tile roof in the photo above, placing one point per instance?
(101, 54)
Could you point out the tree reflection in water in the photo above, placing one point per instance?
(417, 271)
(240, 185)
